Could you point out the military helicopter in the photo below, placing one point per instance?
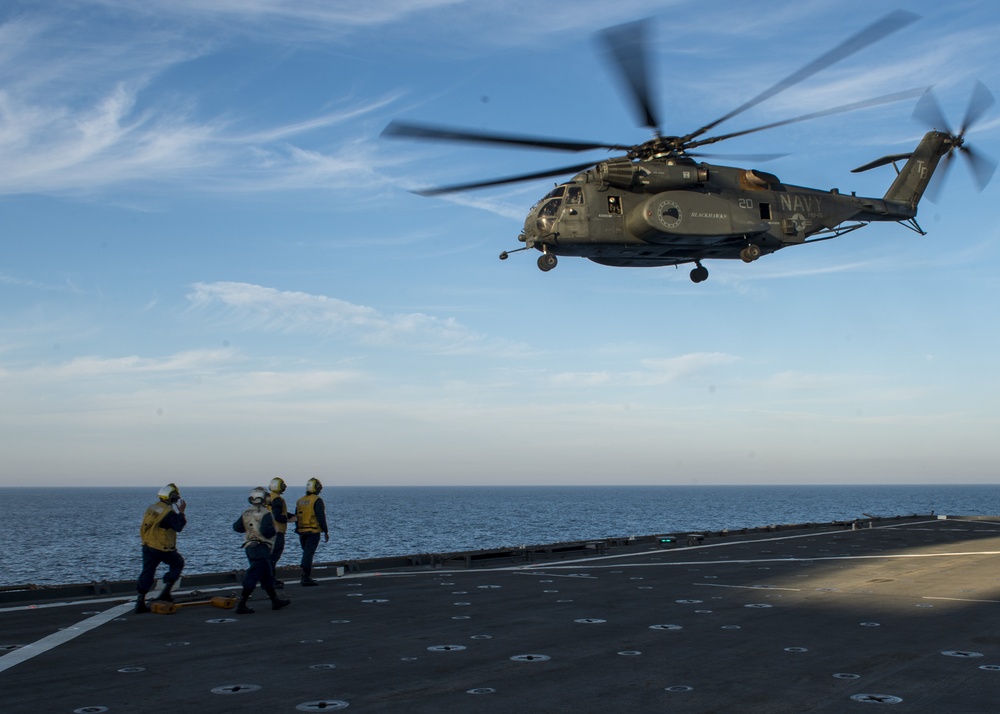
(656, 205)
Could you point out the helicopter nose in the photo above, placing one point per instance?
(528, 233)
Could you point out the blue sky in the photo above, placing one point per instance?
(212, 269)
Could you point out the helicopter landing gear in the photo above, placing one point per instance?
(750, 253)
(699, 274)
(546, 262)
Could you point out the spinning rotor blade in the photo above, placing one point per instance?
(876, 31)
(929, 112)
(982, 167)
(501, 181)
(627, 45)
(440, 133)
(737, 157)
(876, 101)
(981, 100)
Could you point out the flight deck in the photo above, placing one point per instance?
(900, 613)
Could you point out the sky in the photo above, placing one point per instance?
(214, 271)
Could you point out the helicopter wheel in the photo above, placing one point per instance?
(699, 274)
(546, 262)
(750, 253)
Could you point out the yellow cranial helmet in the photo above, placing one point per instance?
(313, 486)
(277, 485)
(169, 493)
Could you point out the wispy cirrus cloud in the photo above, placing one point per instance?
(651, 371)
(94, 366)
(210, 387)
(53, 149)
(469, 21)
(83, 109)
(255, 307)
(7, 279)
(305, 16)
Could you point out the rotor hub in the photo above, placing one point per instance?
(658, 148)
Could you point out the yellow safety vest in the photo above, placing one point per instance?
(151, 533)
(251, 521)
(305, 511)
(277, 498)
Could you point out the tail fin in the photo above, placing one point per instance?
(916, 173)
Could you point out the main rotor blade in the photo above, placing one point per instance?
(627, 44)
(501, 181)
(981, 100)
(929, 112)
(874, 102)
(736, 157)
(983, 167)
(440, 133)
(883, 27)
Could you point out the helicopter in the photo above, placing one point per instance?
(658, 205)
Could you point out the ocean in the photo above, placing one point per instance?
(72, 535)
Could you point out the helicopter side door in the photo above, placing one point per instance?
(753, 214)
(607, 216)
(574, 221)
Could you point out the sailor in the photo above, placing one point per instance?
(258, 525)
(310, 514)
(160, 525)
(281, 517)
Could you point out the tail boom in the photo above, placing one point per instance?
(913, 178)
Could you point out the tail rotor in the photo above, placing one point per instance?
(929, 112)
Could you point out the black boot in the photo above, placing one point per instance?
(241, 607)
(306, 580)
(140, 604)
(165, 593)
(277, 602)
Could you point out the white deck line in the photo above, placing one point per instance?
(52, 641)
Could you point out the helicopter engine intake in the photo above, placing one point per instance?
(617, 173)
(650, 177)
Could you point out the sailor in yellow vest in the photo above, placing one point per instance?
(281, 516)
(258, 525)
(160, 525)
(310, 514)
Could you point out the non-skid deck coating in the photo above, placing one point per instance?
(904, 616)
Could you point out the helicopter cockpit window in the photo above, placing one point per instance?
(550, 208)
(615, 205)
(556, 192)
(574, 195)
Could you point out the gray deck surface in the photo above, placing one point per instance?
(817, 620)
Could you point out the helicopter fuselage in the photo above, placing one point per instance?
(656, 205)
(672, 211)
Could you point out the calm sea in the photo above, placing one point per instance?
(70, 535)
